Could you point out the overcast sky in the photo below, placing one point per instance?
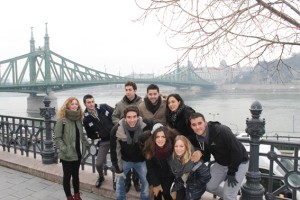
(94, 33)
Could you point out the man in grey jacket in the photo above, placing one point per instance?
(130, 99)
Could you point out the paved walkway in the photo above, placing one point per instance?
(19, 185)
(27, 178)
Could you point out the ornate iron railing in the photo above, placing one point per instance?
(27, 135)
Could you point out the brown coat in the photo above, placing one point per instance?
(158, 117)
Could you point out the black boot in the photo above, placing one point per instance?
(137, 185)
(99, 181)
(127, 187)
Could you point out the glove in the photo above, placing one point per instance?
(231, 180)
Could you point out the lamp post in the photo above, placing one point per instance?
(214, 115)
(48, 154)
(252, 189)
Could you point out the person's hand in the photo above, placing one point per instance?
(117, 169)
(231, 180)
(196, 156)
(157, 189)
(118, 172)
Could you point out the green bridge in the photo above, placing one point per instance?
(43, 71)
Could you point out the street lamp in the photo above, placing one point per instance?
(214, 115)
(49, 155)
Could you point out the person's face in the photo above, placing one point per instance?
(131, 118)
(73, 105)
(173, 104)
(160, 139)
(153, 96)
(130, 92)
(90, 104)
(198, 125)
(179, 148)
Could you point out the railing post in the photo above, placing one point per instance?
(48, 154)
(252, 189)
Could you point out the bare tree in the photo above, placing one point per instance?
(243, 31)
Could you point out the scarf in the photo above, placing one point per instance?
(137, 131)
(73, 115)
(178, 168)
(152, 107)
(173, 115)
(162, 153)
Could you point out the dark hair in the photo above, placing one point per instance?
(177, 97)
(196, 115)
(87, 96)
(149, 147)
(130, 83)
(131, 108)
(152, 87)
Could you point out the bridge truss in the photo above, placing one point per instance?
(44, 71)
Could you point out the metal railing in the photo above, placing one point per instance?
(27, 136)
(278, 179)
(279, 168)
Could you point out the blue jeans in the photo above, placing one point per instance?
(141, 169)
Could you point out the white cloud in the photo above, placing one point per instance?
(94, 33)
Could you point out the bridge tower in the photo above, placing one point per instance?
(34, 101)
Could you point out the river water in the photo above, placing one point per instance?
(281, 111)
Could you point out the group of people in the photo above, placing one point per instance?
(159, 143)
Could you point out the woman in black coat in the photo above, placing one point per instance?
(157, 150)
(177, 115)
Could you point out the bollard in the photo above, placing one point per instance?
(48, 154)
(252, 189)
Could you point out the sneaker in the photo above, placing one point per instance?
(99, 181)
(127, 187)
(137, 185)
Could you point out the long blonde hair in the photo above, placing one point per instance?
(188, 149)
(62, 111)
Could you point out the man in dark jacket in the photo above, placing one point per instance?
(126, 141)
(213, 138)
(98, 124)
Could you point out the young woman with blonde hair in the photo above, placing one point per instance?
(71, 143)
(190, 177)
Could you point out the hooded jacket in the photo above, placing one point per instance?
(224, 146)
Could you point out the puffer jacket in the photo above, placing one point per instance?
(65, 142)
(195, 184)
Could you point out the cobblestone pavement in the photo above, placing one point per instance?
(18, 185)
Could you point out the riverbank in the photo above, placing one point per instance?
(259, 89)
